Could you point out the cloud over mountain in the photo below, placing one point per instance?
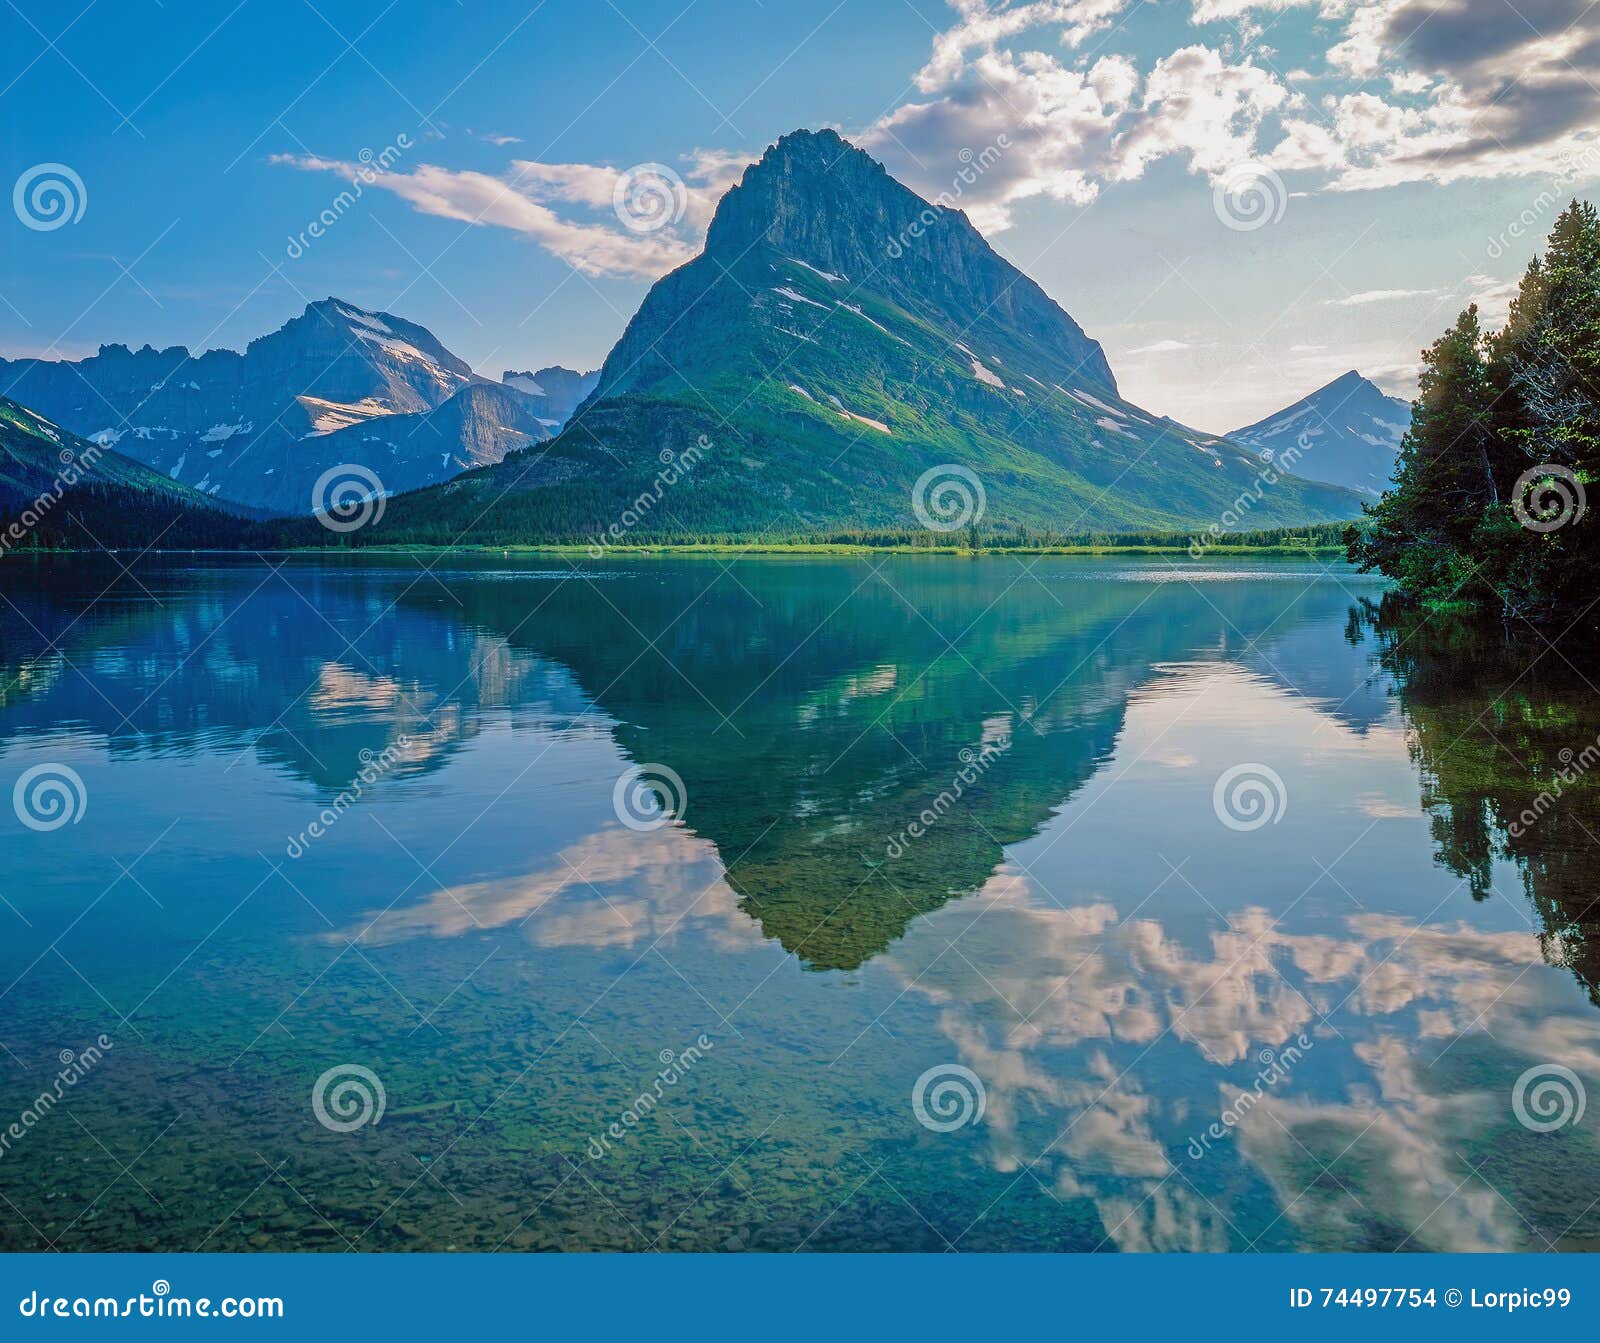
(1041, 99)
(537, 199)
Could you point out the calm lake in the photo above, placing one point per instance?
(778, 903)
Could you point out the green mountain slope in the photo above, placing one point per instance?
(58, 490)
(838, 338)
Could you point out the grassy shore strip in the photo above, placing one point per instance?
(828, 548)
(724, 549)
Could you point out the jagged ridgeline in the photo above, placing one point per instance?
(838, 337)
(336, 387)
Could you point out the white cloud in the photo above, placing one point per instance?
(1198, 105)
(1493, 298)
(1412, 90)
(1162, 347)
(1051, 125)
(982, 26)
(1211, 11)
(1367, 296)
(522, 201)
(1450, 114)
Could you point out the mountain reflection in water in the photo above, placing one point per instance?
(937, 812)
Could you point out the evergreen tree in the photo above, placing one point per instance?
(1421, 528)
(1489, 505)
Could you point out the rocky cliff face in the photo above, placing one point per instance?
(816, 197)
(479, 426)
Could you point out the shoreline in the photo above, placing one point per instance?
(587, 552)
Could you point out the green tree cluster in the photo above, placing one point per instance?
(1490, 504)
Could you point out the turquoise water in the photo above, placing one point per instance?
(924, 926)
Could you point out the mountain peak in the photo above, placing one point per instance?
(335, 309)
(255, 426)
(1344, 433)
(803, 137)
(817, 200)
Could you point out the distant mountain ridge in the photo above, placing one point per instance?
(336, 384)
(560, 391)
(839, 338)
(59, 490)
(1347, 432)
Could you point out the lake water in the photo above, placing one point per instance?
(1051, 904)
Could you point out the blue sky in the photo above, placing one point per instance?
(1397, 148)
